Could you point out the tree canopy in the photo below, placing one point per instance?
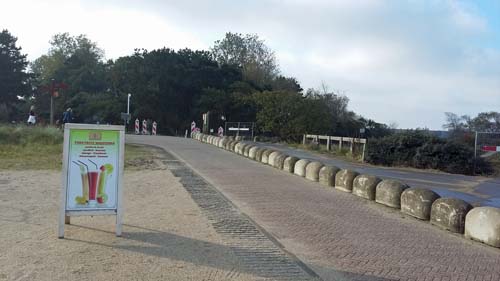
(14, 80)
(248, 52)
(238, 78)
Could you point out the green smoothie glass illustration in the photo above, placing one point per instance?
(106, 171)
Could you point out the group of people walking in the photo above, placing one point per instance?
(67, 116)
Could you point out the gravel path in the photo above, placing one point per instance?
(165, 234)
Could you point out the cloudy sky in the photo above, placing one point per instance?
(398, 61)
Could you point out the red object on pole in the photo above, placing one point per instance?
(490, 148)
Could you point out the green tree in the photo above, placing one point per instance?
(248, 52)
(174, 87)
(14, 80)
(75, 61)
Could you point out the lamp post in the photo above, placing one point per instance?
(51, 92)
(128, 103)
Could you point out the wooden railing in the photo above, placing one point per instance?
(339, 140)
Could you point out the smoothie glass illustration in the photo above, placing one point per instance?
(93, 175)
(82, 200)
(106, 171)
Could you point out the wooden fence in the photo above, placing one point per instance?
(339, 140)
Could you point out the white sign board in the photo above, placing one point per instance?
(92, 172)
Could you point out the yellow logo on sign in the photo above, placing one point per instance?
(95, 136)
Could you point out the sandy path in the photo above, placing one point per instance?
(165, 236)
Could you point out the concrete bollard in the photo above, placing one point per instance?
(232, 148)
(265, 155)
(272, 157)
(242, 148)
(237, 147)
(388, 192)
(365, 185)
(312, 170)
(223, 142)
(327, 175)
(258, 153)
(449, 213)
(228, 144)
(289, 164)
(246, 150)
(344, 180)
(483, 224)
(300, 167)
(279, 161)
(252, 152)
(417, 202)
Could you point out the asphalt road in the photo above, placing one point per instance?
(338, 235)
(476, 190)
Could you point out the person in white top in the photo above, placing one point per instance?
(32, 118)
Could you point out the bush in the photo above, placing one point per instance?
(397, 149)
(420, 150)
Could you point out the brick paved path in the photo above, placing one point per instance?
(340, 236)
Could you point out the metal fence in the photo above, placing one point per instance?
(486, 145)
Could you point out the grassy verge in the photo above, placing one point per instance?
(39, 148)
(48, 157)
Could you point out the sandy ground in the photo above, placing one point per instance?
(165, 236)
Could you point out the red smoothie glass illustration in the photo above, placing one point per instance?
(93, 179)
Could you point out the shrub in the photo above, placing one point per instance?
(421, 150)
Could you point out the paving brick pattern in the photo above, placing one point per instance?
(341, 236)
(256, 252)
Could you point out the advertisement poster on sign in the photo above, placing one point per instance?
(92, 173)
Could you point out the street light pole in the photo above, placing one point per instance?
(128, 104)
(51, 92)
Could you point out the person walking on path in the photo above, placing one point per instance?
(31, 117)
(67, 116)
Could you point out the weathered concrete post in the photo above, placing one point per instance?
(312, 170)
(258, 154)
(365, 185)
(265, 156)
(304, 140)
(289, 164)
(252, 152)
(417, 202)
(300, 167)
(344, 180)
(388, 193)
(449, 213)
(272, 158)
(483, 224)
(279, 162)
(328, 140)
(327, 175)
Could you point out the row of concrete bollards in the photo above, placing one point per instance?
(455, 215)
